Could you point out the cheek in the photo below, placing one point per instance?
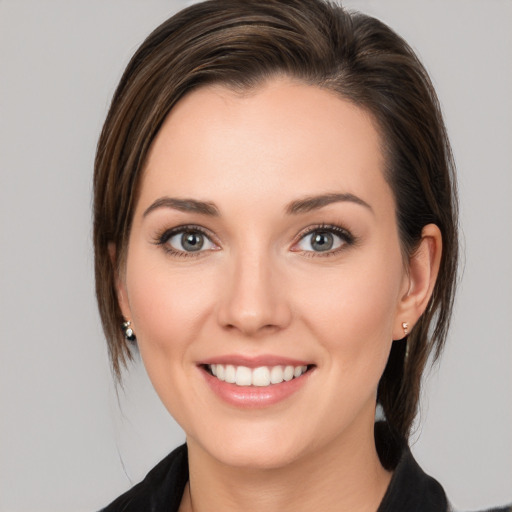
(166, 305)
(168, 308)
(352, 312)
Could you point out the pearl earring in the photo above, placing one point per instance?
(128, 331)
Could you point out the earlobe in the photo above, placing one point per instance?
(120, 285)
(422, 274)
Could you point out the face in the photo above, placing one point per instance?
(264, 276)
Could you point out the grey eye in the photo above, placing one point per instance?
(190, 241)
(320, 241)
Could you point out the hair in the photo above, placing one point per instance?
(241, 44)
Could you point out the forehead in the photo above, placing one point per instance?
(282, 135)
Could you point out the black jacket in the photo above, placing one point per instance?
(410, 489)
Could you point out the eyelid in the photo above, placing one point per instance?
(162, 238)
(347, 238)
(345, 235)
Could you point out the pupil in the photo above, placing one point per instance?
(322, 241)
(192, 241)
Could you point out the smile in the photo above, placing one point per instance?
(261, 376)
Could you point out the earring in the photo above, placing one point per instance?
(128, 331)
(405, 327)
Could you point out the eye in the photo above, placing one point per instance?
(186, 240)
(324, 240)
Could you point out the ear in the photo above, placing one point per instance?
(122, 296)
(420, 280)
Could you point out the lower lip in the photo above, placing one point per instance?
(254, 396)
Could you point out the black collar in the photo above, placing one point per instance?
(410, 489)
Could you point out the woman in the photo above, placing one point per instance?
(276, 227)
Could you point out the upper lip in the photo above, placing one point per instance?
(254, 361)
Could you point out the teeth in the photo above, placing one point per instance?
(288, 373)
(243, 376)
(297, 372)
(261, 376)
(276, 375)
(230, 374)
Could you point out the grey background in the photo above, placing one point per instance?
(67, 443)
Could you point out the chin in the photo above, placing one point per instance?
(257, 450)
(257, 457)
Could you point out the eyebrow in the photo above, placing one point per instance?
(311, 203)
(183, 205)
(296, 207)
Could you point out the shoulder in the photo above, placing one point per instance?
(507, 508)
(410, 487)
(162, 488)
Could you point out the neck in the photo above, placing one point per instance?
(345, 475)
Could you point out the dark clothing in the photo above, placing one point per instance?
(410, 489)
(161, 490)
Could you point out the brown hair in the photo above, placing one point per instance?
(241, 43)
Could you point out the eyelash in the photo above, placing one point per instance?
(347, 238)
(163, 238)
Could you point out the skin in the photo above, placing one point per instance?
(258, 287)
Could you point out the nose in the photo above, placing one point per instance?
(253, 297)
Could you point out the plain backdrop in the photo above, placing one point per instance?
(67, 442)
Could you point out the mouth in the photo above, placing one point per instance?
(261, 376)
(256, 382)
